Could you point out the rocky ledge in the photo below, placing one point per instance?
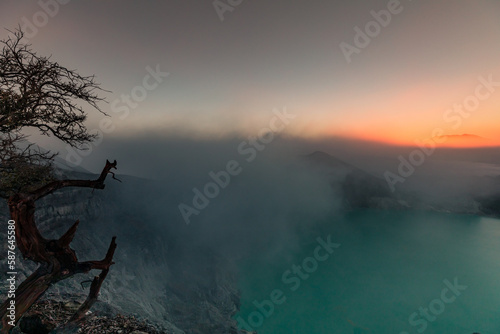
(50, 316)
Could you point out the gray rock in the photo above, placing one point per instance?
(181, 288)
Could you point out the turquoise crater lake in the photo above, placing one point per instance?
(392, 272)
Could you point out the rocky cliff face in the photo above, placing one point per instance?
(362, 190)
(159, 273)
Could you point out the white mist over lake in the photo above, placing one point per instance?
(393, 273)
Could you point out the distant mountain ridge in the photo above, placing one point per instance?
(359, 188)
(462, 139)
(363, 190)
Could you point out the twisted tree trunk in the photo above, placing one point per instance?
(57, 260)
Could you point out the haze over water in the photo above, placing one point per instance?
(389, 265)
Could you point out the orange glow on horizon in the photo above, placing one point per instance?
(452, 141)
(413, 137)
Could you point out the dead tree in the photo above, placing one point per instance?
(38, 93)
(57, 260)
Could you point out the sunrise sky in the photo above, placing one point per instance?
(225, 77)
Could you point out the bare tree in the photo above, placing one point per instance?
(36, 92)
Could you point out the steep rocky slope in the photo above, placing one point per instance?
(159, 274)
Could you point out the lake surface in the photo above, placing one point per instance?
(393, 272)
